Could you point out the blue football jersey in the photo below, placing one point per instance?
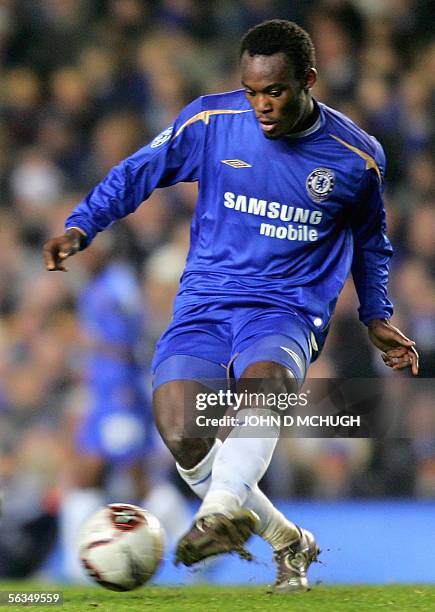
(289, 218)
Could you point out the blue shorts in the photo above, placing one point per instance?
(216, 340)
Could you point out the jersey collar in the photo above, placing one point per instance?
(311, 130)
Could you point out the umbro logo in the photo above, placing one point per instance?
(236, 163)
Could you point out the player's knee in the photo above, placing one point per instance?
(171, 403)
(270, 376)
(168, 406)
(188, 452)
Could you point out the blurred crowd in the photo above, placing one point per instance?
(84, 83)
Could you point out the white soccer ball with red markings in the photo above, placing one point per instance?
(121, 546)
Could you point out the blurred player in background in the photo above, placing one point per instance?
(116, 436)
(290, 201)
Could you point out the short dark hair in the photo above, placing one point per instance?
(280, 35)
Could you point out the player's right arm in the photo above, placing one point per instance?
(173, 156)
(60, 248)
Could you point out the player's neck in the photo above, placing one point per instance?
(308, 118)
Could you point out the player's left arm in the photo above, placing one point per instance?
(399, 352)
(370, 267)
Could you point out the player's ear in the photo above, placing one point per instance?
(310, 79)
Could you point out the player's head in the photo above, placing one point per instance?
(278, 70)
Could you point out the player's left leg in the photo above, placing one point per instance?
(294, 548)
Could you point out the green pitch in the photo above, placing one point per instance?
(405, 598)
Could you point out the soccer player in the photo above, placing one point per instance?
(290, 201)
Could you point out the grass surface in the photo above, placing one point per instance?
(405, 598)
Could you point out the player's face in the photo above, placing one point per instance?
(281, 102)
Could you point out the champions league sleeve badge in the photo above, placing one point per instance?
(162, 137)
(320, 183)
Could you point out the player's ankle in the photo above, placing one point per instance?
(219, 502)
(281, 532)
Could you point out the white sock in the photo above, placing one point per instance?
(240, 463)
(77, 506)
(170, 507)
(273, 527)
(199, 477)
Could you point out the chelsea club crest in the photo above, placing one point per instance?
(320, 183)
(162, 137)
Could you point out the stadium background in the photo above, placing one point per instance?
(86, 82)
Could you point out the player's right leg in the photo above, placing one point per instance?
(195, 456)
(189, 362)
(171, 405)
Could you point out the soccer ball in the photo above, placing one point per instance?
(121, 546)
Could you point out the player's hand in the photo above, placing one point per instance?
(399, 352)
(58, 249)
